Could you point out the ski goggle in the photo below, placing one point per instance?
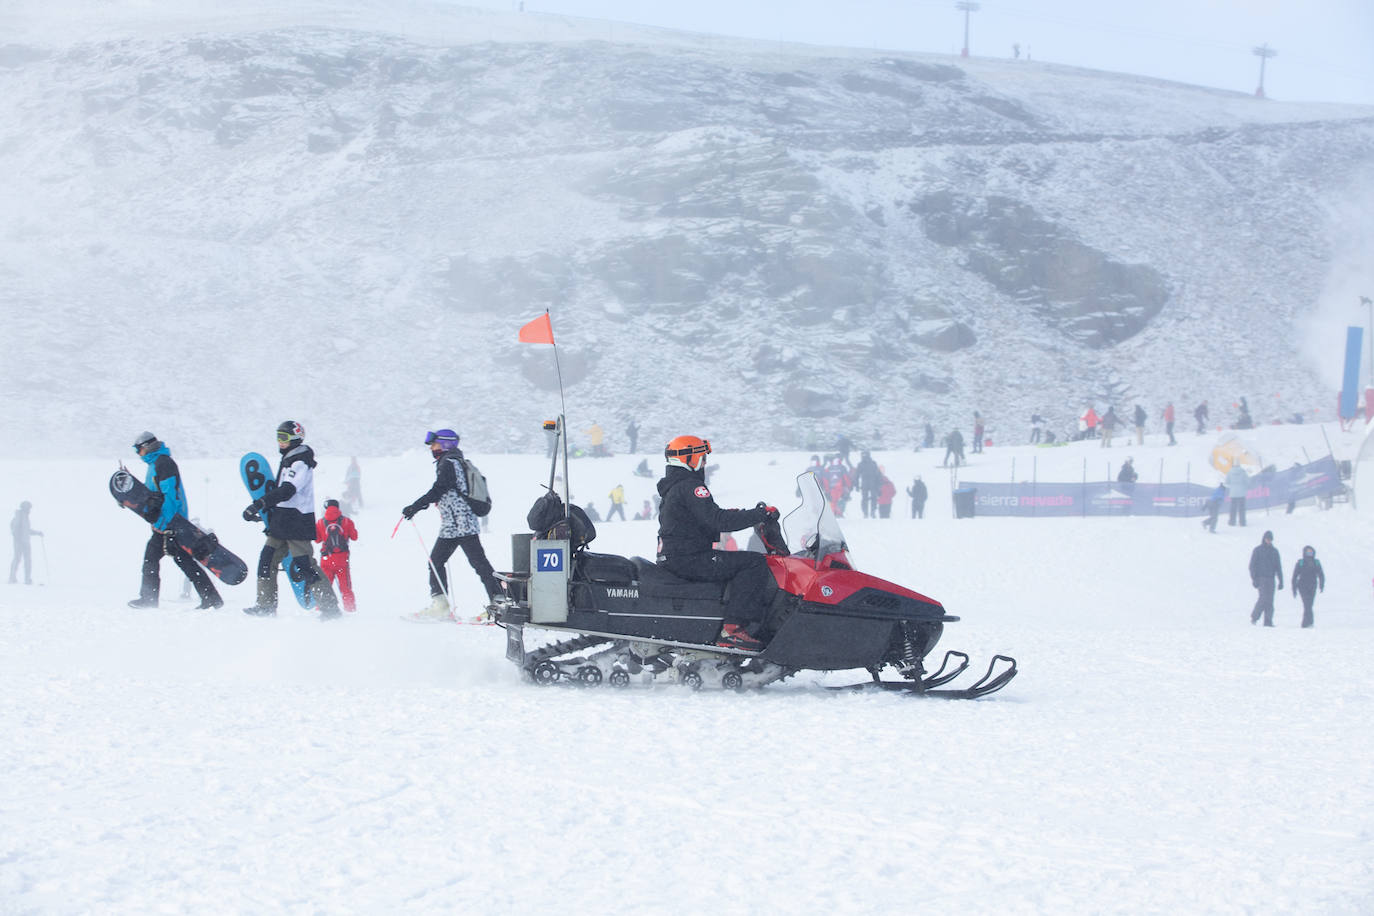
(283, 436)
(443, 435)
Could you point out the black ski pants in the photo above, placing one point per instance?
(160, 545)
(1308, 596)
(751, 583)
(1265, 604)
(477, 559)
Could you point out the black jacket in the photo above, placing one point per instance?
(1265, 565)
(291, 503)
(1307, 575)
(689, 521)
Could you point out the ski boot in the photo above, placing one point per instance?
(437, 612)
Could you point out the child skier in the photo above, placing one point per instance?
(332, 533)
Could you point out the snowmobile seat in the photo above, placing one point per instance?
(657, 581)
(604, 567)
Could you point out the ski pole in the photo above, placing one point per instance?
(429, 559)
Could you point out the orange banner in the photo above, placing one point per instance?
(540, 330)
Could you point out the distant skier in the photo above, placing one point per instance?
(21, 531)
(353, 488)
(1127, 476)
(1087, 423)
(1037, 426)
(928, 436)
(843, 445)
(458, 527)
(918, 493)
(887, 491)
(164, 479)
(332, 533)
(632, 433)
(1201, 414)
(1243, 421)
(596, 437)
(869, 478)
(1214, 501)
(954, 448)
(617, 503)
(689, 522)
(1265, 566)
(1237, 485)
(1139, 417)
(1169, 422)
(290, 526)
(1308, 577)
(1109, 423)
(978, 427)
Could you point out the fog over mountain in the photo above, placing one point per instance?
(210, 223)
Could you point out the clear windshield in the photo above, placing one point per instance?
(811, 529)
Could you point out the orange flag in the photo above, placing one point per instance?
(540, 330)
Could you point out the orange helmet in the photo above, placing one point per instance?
(688, 452)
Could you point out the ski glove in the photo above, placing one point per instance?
(410, 510)
(251, 513)
(770, 513)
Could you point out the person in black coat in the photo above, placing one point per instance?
(869, 478)
(1265, 566)
(918, 493)
(1307, 579)
(690, 522)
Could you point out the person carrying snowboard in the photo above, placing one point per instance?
(689, 522)
(290, 526)
(164, 479)
(332, 533)
(21, 531)
(458, 527)
(1307, 577)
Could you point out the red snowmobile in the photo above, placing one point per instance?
(629, 620)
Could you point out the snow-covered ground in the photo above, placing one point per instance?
(1156, 753)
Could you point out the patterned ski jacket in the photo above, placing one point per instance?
(292, 501)
(456, 519)
(165, 477)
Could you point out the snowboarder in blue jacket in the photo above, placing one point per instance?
(164, 479)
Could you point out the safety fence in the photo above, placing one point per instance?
(1320, 479)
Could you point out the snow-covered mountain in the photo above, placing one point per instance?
(215, 218)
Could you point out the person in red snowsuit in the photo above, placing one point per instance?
(333, 532)
(886, 491)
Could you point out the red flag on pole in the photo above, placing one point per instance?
(540, 330)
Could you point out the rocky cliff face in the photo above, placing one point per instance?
(768, 245)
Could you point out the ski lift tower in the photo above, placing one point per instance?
(1263, 52)
(968, 6)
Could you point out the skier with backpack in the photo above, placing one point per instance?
(332, 533)
(460, 506)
